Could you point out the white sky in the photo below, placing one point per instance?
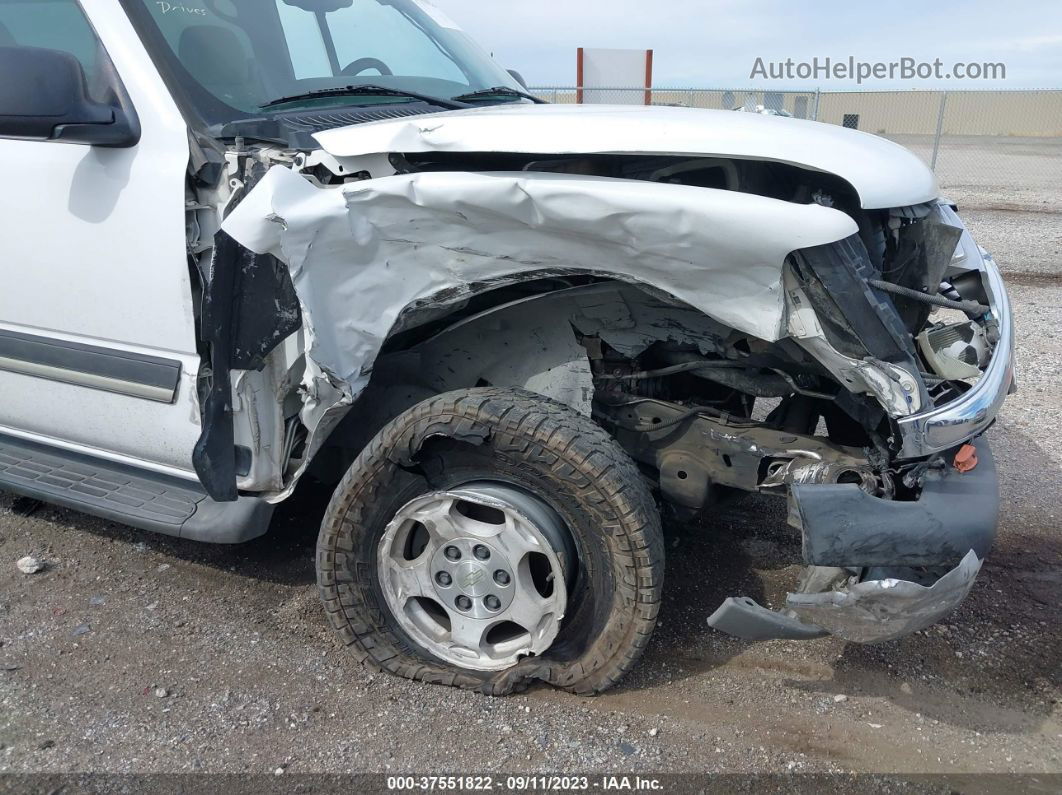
(714, 43)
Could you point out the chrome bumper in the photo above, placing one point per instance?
(970, 415)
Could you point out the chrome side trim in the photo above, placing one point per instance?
(969, 415)
(90, 380)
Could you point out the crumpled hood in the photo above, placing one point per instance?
(884, 174)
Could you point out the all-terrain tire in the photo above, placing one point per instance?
(538, 445)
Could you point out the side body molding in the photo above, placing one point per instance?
(107, 369)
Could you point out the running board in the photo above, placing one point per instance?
(125, 494)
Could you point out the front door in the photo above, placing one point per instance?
(97, 334)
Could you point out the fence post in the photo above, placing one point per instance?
(940, 128)
(815, 112)
(692, 102)
(580, 59)
(554, 96)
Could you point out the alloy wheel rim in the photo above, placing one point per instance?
(478, 576)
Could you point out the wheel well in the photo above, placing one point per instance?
(517, 335)
(434, 316)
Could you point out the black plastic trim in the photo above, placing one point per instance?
(835, 277)
(956, 512)
(133, 368)
(237, 335)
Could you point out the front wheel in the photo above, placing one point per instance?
(489, 537)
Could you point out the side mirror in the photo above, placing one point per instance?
(518, 77)
(44, 96)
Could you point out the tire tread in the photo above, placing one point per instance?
(577, 452)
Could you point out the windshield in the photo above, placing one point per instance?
(231, 58)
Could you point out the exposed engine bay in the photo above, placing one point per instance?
(737, 325)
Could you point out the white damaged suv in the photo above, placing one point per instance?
(252, 242)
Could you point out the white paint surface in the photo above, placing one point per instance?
(362, 254)
(884, 174)
(95, 252)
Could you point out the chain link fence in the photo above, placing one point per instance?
(990, 149)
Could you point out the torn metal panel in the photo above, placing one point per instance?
(873, 611)
(894, 388)
(362, 255)
(746, 618)
(881, 610)
(883, 173)
(858, 322)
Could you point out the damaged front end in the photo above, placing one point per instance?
(879, 569)
(737, 325)
(872, 439)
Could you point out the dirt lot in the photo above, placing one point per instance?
(995, 172)
(134, 652)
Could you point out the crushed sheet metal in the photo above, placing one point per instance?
(883, 173)
(880, 610)
(362, 254)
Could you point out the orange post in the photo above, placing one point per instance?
(579, 77)
(649, 77)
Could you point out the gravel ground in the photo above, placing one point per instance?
(1009, 192)
(134, 652)
(1029, 244)
(995, 172)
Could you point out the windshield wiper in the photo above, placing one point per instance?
(497, 91)
(367, 91)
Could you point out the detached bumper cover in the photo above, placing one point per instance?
(952, 524)
(745, 618)
(868, 612)
(845, 526)
(880, 610)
